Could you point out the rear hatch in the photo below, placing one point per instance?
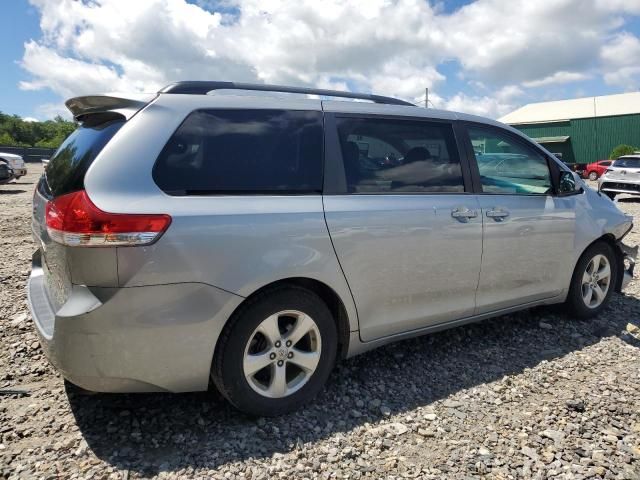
(100, 119)
(65, 174)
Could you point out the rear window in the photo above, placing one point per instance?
(627, 163)
(243, 151)
(67, 167)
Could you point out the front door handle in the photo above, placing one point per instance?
(498, 214)
(463, 214)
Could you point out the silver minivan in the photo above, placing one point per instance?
(249, 240)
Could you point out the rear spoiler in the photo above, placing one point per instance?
(126, 105)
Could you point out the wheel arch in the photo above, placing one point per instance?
(611, 240)
(327, 294)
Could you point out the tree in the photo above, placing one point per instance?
(54, 142)
(621, 150)
(6, 139)
(15, 132)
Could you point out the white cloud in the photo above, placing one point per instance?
(620, 6)
(628, 78)
(393, 47)
(47, 111)
(517, 41)
(621, 59)
(495, 106)
(66, 76)
(624, 49)
(557, 78)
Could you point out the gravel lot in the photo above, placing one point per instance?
(531, 395)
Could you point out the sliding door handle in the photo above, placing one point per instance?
(498, 214)
(463, 213)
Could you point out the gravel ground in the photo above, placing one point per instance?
(531, 395)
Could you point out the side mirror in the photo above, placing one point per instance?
(567, 184)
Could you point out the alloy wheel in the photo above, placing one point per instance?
(596, 281)
(282, 354)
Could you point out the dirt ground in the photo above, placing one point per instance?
(531, 395)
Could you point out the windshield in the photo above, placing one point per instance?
(66, 169)
(631, 162)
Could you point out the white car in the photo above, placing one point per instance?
(16, 162)
(623, 176)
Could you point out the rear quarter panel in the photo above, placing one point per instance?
(235, 243)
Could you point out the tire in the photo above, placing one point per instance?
(593, 176)
(611, 195)
(576, 303)
(257, 394)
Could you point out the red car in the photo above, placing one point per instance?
(594, 170)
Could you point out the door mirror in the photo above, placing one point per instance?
(567, 184)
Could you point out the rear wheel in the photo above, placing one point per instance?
(593, 281)
(593, 176)
(277, 352)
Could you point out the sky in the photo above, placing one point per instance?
(486, 57)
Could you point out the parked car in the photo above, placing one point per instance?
(6, 172)
(255, 240)
(17, 164)
(595, 170)
(623, 176)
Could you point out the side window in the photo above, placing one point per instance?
(243, 151)
(508, 166)
(401, 156)
(606, 164)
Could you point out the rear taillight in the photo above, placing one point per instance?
(74, 220)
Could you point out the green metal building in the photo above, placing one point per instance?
(583, 130)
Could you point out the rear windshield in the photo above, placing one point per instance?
(243, 152)
(627, 163)
(66, 168)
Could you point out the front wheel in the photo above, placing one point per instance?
(276, 353)
(593, 176)
(593, 281)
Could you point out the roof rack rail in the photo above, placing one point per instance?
(204, 87)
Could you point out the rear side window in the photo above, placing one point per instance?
(631, 162)
(243, 151)
(399, 156)
(67, 167)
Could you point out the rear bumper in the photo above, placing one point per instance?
(137, 339)
(19, 172)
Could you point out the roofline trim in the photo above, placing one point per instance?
(537, 122)
(204, 87)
